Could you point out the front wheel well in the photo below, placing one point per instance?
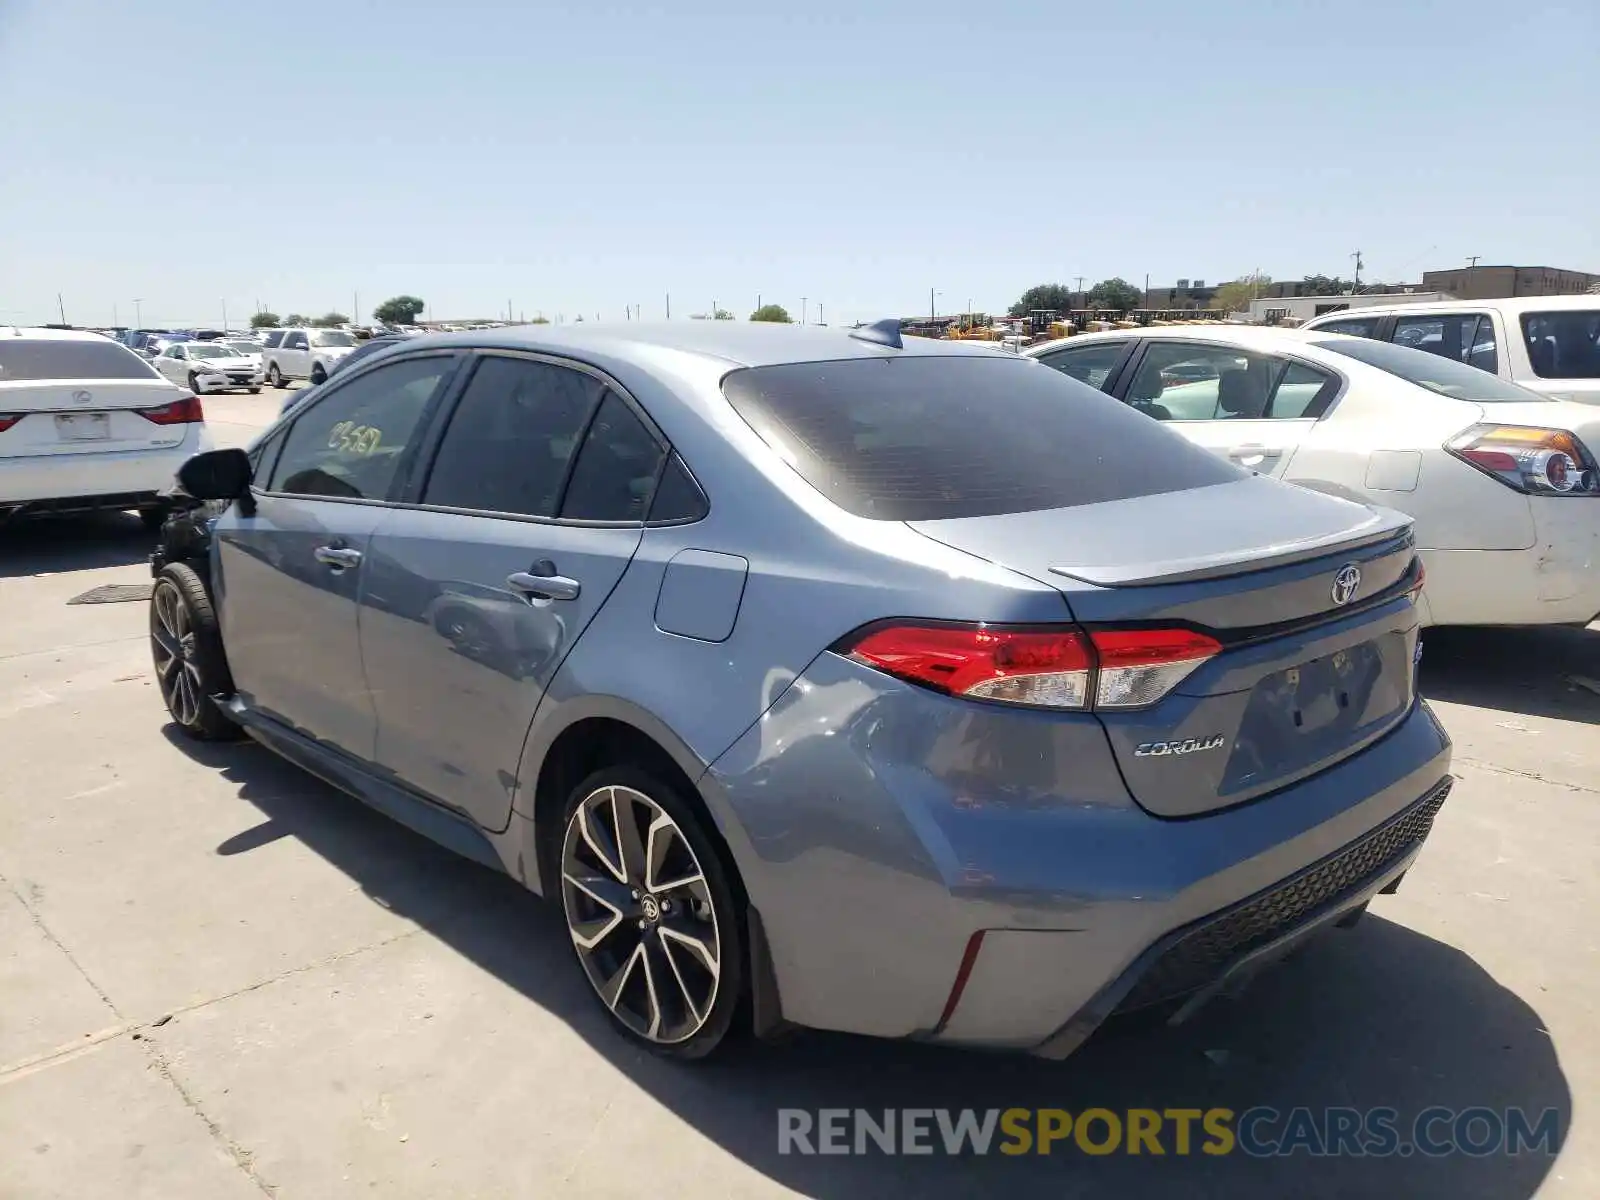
(591, 745)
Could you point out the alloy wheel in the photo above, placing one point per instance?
(641, 914)
(173, 644)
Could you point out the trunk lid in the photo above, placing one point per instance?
(1303, 680)
(86, 416)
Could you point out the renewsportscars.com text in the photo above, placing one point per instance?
(1259, 1132)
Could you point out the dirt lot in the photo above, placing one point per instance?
(220, 978)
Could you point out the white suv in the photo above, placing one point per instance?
(85, 424)
(1546, 343)
(304, 354)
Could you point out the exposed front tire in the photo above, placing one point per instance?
(318, 376)
(653, 916)
(186, 644)
(275, 376)
(255, 391)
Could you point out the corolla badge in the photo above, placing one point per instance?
(1184, 746)
(1346, 583)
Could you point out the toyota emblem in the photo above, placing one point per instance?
(1346, 583)
(82, 397)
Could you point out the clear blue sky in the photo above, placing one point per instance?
(583, 156)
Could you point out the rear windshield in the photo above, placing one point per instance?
(332, 337)
(1445, 376)
(925, 438)
(212, 350)
(1563, 345)
(26, 358)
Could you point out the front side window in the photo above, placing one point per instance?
(1091, 364)
(1563, 345)
(349, 441)
(1353, 326)
(295, 341)
(1465, 337)
(1179, 381)
(512, 437)
(920, 438)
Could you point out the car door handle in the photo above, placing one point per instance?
(337, 557)
(543, 587)
(1252, 455)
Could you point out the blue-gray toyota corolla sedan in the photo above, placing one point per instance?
(823, 678)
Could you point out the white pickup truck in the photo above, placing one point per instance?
(304, 354)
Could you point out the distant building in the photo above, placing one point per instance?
(1496, 283)
(1186, 293)
(1279, 310)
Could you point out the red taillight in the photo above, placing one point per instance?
(1048, 667)
(1139, 666)
(7, 420)
(179, 412)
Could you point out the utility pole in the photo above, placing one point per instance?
(138, 319)
(61, 308)
(802, 310)
(669, 306)
(1355, 286)
(224, 316)
(932, 315)
(114, 321)
(355, 307)
(509, 311)
(1472, 269)
(820, 321)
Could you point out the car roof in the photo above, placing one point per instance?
(1515, 305)
(735, 343)
(50, 335)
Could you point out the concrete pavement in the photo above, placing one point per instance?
(220, 978)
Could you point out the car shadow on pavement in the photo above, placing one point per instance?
(1544, 671)
(51, 545)
(1375, 1016)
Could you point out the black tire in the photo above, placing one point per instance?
(194, 383)
(318, 376)
(723, 918)
(255, 391)
(275, 377)
(186, 645)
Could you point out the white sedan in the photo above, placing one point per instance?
(208, 367)
(1503, 483)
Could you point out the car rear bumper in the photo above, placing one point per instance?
(1556, 581)
(915, 876)
(103, 479)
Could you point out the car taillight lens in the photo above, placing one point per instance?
(7, 420)
(1139, 666)
(1044, 667)
(179, 412)
(1550, 462)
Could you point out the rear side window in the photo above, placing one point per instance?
(923, 438)
(1353, 326)
(274, 338)
(678, 496)
(33, 359)
(1563, 345)
(1466, 337)
(512, 438)
(616, 469)
(1091, 364)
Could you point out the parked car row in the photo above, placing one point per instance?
(828, 678)
(1501, 482)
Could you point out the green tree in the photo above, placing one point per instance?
(400, 310)
(294, 320)
(771, 312)
(329, 319)
(540, 321)
(723, 314)
(1236, 296)
(1057, 297)
(264, 320)
(1116, 294)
